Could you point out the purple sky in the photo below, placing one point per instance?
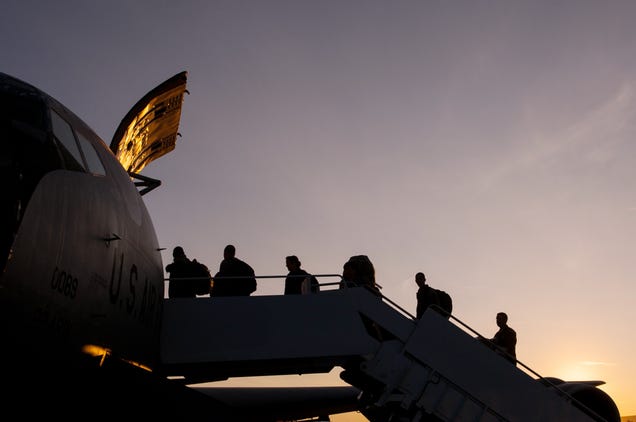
(489, 144)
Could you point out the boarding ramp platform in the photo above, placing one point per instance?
(431, 369)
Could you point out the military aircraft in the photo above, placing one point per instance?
(82, 284)
(87, 332)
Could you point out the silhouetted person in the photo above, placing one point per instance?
(180, 269)
(241, 282)
(358, 271)
(505, 338)
(297, 276)
(426, 295)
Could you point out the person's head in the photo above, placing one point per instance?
(359, 269)
(229, 251)
(178, 252)
(292, 262)
(502, 319)
(420, 279)
(348, 271)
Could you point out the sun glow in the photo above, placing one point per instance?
(582, 371)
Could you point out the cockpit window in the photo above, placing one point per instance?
(93, 162)
(64, 135)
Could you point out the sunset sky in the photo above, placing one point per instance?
(489, 144)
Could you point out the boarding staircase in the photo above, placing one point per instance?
(428, 369)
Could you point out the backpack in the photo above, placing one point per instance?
(201, 284)
(445, 301)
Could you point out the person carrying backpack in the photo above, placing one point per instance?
(178, 285)
(188, 278)
(234, 278)
(427, 296)
(296, 278)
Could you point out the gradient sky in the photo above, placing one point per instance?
(489, 144)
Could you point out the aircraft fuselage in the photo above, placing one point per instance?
(81, 264)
